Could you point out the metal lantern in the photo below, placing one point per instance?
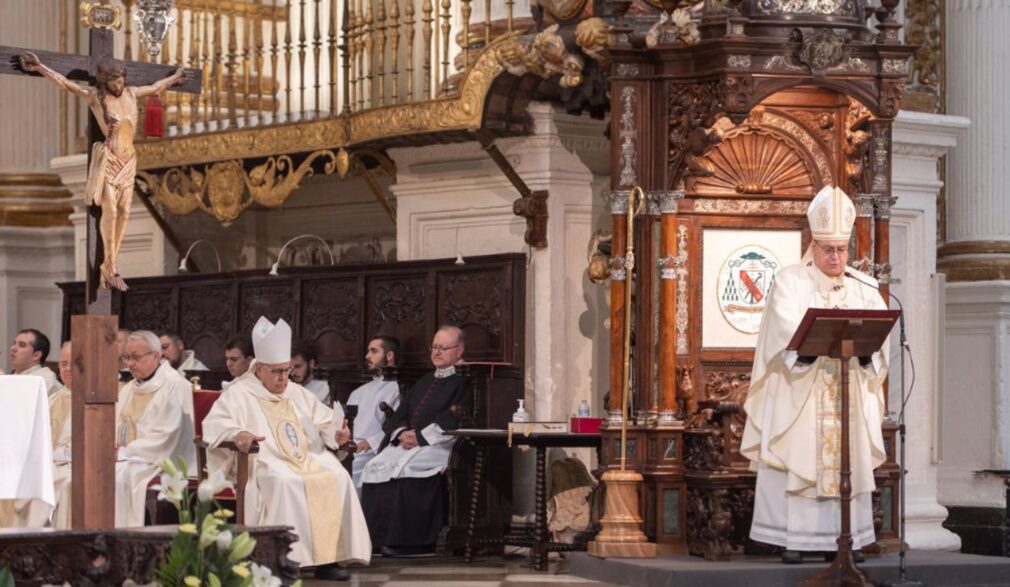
(154, 18)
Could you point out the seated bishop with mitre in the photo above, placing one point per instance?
(293, 480)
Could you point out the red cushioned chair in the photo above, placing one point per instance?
(203, 400)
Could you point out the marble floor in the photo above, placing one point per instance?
(509, 571)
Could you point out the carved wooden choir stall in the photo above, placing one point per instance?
(731, 127)
(339, 309)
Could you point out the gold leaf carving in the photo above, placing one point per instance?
(225, 189)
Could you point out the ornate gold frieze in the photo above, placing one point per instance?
(224, 189)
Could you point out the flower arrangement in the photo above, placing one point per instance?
(205, 551)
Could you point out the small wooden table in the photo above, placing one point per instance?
(537, 541)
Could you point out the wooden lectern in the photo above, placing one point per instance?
(842, 334)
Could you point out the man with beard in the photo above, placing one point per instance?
(402, 491)
(113, 162)
(174, 351)
(368, 433)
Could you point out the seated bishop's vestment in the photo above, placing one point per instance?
(293, 479)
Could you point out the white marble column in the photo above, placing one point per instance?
(976, 259)
(919, 141)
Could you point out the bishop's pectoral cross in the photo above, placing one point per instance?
(95, 363)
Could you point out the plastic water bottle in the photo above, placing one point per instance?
(584, 411)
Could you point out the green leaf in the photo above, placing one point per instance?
(213, 581)
(6, 578)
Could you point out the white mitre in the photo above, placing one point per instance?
(831, 215)
(271, 342)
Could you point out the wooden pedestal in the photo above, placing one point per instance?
(622, 535)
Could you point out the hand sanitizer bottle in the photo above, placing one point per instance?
(584, 411)
(521, 415)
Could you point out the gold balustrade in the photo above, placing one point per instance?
(273, 62)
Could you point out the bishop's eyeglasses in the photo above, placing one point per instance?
(829, 251)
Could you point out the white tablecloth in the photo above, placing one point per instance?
(26, 446)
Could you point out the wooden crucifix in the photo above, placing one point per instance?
(111, 171)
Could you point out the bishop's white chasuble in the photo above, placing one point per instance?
(793, 430)
(293, 480)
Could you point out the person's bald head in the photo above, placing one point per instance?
(447, 347)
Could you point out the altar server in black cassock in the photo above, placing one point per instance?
(403, 496)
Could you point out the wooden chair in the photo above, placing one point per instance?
(202, 403)
(161, 513)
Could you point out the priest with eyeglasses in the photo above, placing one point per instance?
(294, 480)
(403, 491)
(154, 421)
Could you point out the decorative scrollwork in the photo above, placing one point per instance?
(693, 110)
(331, 305)
(399, 301)
(462, 308)
(224, 189)
(544, 56)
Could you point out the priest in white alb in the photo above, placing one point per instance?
(793, 430)
(368, 425)
(293, 480)
(154, 421)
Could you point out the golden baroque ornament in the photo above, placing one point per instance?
(225, 188)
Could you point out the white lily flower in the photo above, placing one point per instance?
(263, 577)
(170, 487)
(211, 486)
(224, 540)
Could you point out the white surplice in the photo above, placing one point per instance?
(161, 427)
(278, 489)
(369, 421)
(190, 363)
(320, 389)
(792, 435)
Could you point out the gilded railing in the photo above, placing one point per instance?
(272, 62)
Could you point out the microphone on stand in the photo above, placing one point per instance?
(902, 580)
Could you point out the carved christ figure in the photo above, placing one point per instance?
(113, 162)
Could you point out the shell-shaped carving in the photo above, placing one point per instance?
(752, 163)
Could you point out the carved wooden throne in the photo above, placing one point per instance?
(731, 134)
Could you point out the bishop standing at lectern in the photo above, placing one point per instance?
(793, 431)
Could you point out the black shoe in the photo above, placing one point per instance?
(332, 572)
(792, 557)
